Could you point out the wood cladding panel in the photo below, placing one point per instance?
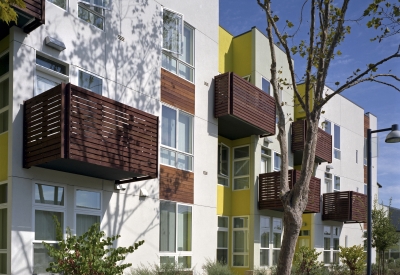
(323, 151)
(69, 122)
(348, 206)
(176, 185)
(177, 91)
(234, 96)
(269, 189)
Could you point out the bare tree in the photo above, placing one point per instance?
(326, 31)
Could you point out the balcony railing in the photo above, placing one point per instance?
(269, 190)
(241, 108)
(348, 207)
(29, 18)
(70, 129)
(323, 152)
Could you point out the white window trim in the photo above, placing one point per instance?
(87, 6)
(183, 28)
(233, 169)
(8, 227)
(333, 145)
(66, 5)
(176, 150)
(268, 157)
(241, 229)
(177, 253)
(224, 229)
(332, 237)
(89, 73)
(280, 231)
(329, 186)
(334, 182)
(229, 162)
(269, 248)
(49, 73)
(84, 211)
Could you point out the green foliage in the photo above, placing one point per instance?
(306, 261)
(164, 269)
(354, 258)
(216, 268)
(90, 254)
(7, 12)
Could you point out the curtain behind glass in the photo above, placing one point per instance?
(84, 222)
(168, 127)
(185, 133)
(184, 228)
(172, 31)
(45, 228)
(167, 226)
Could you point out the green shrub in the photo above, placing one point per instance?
(216, 268)
(354, 258)
(306, 262)
(154, 269)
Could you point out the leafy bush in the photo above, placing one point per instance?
(306, 262)
(216, 268)
(154, 269)
(90, 254)
(354, 258)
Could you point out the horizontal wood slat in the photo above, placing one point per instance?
(83, 126)
(177, 91)
(269, 190)
(323, 151)
(35, 11)
(237, 97)
(176, 185)
(347, 206)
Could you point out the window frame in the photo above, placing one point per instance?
(277, 169)
(92, 74)
(269, 85)
(83, 211)
(5, 109)
(233, 168)
(90, 8)
(66, 5)
(279, 231)
(268, 249)
(268, 159)
(337, 154)
(5, 206)
(245, 229)
(223, 229)
(178, 253)
(332, 251)
(176, 150)
(328, 181)
(334, 183)
(49, 73)
(220, 175)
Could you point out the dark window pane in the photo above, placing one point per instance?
(222, 256)
(90, 82)
(4, 64)
(3, 263)
(4, 122)
(3, 193)
(50, 64)
(265, 85)
(3, 228)
(337, 136)
(4, 94)
(241, 152)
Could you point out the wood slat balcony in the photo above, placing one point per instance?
(29, 18)
(71, 129)
(242, 109)
(269, 189)
(323, 152)
(347, 207)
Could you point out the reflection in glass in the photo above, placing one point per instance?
(47, 194)
(223, 222)
(184, 228)
(241, 152)
(88, 199)
(84, 222)
(90, 82)
(50, 64)
(168, 127)
(45, 227)
(185, 138)
(167, 157)
(185, 261)
(167, 226)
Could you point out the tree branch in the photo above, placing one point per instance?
(310, 57)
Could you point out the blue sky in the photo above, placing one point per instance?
(238, 16)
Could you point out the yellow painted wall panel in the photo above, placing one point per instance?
(241, 203)
(3, 156)
(298, 110)
(224, 200)
(242, 54)
(225, 51)
(4, 43)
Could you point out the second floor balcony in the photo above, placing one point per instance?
(269, 190)
(29, 18)
(242, 109)
(323, 152)
(71, 129)
(345, 206)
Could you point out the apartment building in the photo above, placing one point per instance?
(248, 207)
(106, 112)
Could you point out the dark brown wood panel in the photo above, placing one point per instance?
(177, 91)
(347, 206)
(240, 99)
(90, 129)
(176, 185)
(323, 151)
(269, 189)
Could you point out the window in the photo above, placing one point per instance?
(223, 165)
(92, 11)
(331, 244)
(49, 209)
(178, 41)
(265, 160)
(328, 183)
(365, 151)
(240, 242)
(241, 168)
(87, 210)
(175, 233)
(90, 82)
(4, 63)
(336, 186)
(277, 162)
(4, 105)
(265, 86)
(49, 74)
(222, 240)
(3, 228)
(276, 239)
(327, 126)
(176, 139)
(61, 3)
(265, 231)
(336, 132)
(365, 189)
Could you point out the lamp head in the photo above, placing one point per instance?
(394, 135)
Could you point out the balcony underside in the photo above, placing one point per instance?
(232, 128)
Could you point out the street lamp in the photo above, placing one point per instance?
(392, 137)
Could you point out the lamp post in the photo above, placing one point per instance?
(392, 137)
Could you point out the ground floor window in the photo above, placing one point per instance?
(222, 239)
(175, 233)
(270, 240)
(240, 241)
(331, 244)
